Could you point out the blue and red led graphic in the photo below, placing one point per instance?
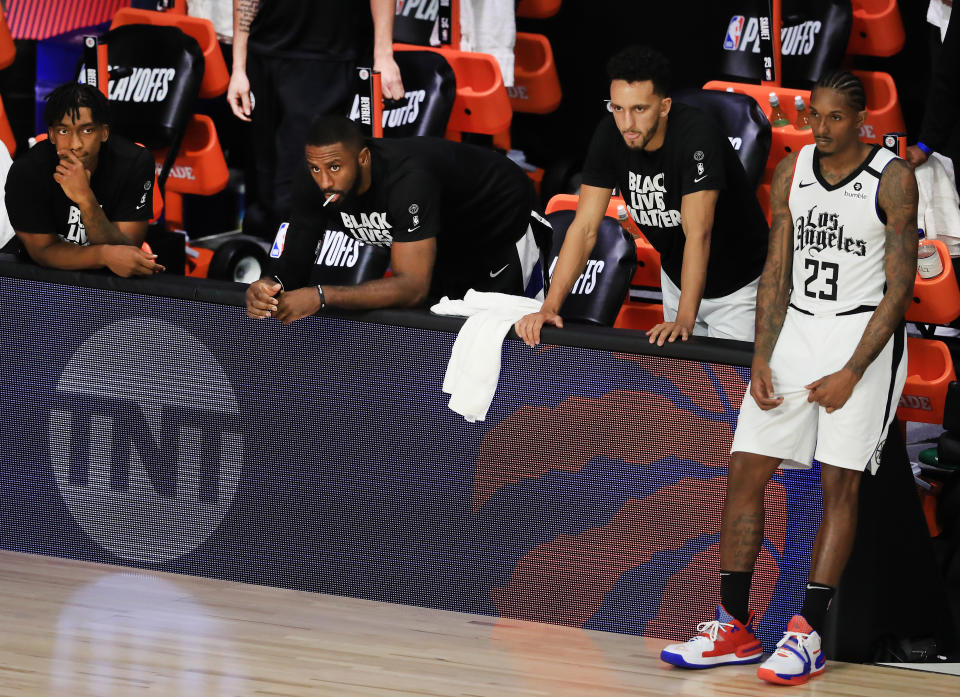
(323, 457)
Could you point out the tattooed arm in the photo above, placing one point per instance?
(897, 197)
(773, 293)
(238, 92)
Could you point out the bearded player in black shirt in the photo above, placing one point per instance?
(454, 216)
(686, 189)
(82, 198)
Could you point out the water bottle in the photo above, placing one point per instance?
(929, 263)
(623, 217)
(777, 116)
(803, 118)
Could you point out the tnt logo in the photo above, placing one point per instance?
(144, 440)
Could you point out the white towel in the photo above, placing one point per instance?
(938, 14)
(6, 229)
(490, 26)
(474, 367)
(938, 210)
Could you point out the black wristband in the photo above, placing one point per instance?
(323, 299)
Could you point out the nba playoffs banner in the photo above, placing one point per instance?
(180, 435)
(813, 38)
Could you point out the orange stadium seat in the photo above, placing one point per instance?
(536, 87)
(647, 274)
(8, 50)
(538, 9)
(200, 167)
(215, 74)
(936, 300)
(883, 113)
(883, 106)
(929, 373)
(640, 316)
(482, 104)
(633, 314)
(930, 368)
(877, 28)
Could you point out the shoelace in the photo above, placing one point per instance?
(798, 637)
(710, 629)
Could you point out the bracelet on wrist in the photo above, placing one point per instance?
(926, 148)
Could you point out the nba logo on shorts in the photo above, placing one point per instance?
(732, 39)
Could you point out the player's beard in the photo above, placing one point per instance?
(346, 197)
(645, 138)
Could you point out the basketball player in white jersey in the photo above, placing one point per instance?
(828, 368)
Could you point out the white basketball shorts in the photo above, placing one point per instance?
(811, 347)
(728, 317)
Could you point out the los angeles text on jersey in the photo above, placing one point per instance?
(817, 231)
(370, 228)
(647, 205)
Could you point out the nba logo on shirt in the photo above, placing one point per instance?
(279, 240)
(735, 28)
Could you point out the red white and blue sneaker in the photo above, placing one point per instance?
(798, 656)
(724, 641)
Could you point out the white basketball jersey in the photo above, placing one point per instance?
(838, 236)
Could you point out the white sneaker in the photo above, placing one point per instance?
(798, 656)
(724, 641)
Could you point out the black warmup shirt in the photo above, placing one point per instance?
(474, 201)
(331, 30)
(695, 156)
(122, 183)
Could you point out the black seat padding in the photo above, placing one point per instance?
(597, 295)
(155, 74)
(416, 23)
(344, 261)
(814, 38)
(742, 121)
(431, 89)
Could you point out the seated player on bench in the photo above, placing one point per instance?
(81, 199)
(454, 216)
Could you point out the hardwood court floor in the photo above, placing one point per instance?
(74, 629)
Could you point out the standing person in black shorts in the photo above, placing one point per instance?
(294, 60)
(454, 216)
(81, 199)
(686, 189)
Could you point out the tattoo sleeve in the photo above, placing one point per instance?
(773, 293)
(898, 198)
(244, 12)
